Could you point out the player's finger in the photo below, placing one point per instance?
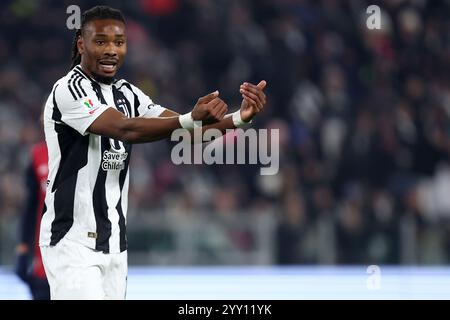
(214, 109)
(251, 95)
(252, 102)
(256, 95)
(248, 99)
(223, 112)
(218, 108)
(213, 103)
(209, 97)
(219, 114)
(258, 92)
(262, 84)
(255, 90)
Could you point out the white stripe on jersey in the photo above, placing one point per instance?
(87, 193)
(112, 190)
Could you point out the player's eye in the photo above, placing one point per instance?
(119, 43)
(100, 42)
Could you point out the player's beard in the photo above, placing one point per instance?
(103, 79)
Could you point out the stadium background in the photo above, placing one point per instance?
(364, 120)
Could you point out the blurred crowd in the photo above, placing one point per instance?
(364, 116)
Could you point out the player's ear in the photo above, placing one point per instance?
(80, 44)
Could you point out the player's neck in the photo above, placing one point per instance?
(96, 77)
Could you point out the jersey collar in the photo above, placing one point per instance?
(80, 69)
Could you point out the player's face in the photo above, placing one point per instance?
(103, 47)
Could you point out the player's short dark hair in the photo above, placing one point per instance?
(95, 13)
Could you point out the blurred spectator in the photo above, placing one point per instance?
(29, 265)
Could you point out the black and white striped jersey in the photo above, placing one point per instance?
(87, 188)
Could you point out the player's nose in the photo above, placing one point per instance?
(110, 50)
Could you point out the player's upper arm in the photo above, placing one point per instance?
(78, 104)
(111, 123)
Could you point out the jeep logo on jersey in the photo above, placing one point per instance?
(121, 105)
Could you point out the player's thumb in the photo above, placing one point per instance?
(209, 97)
(262, 84)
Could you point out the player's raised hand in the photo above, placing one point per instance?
(254, 99)
(209, 108)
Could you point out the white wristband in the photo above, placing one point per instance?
(237, 120)
(186, 121)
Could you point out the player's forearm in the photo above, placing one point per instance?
(223, 125)
(115, 125)
(139, 130)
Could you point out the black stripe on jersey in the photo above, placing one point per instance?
(80, 74)
(74, 151)
(70, 87)
(73, 80)
(101, 206)
(95, 84)
(73, 148)
(78, 68)
(118, 95)
(56, 114)
(79, 85)
(122, 226)
(75, 87)
(98, 91)
(63, 204)
(99, 193)
(136, 99)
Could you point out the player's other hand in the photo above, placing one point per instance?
(209, 108)
(254, 99)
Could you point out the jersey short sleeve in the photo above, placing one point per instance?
(146, 108)
(78, 104)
